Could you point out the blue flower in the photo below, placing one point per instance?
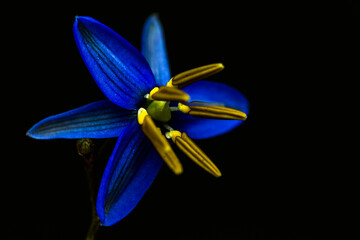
(146, 109)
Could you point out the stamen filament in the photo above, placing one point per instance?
(186, 145)
(199, 109)
(161, 145)
(167, 127)
(174, 109)
(164, 93)
(186, 78)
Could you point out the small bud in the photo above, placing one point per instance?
(85, 147)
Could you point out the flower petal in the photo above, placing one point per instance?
(130, 171)
(211, 92)
(120, 71)
(154, 49)
(102, 119)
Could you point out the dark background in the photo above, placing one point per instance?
(282, 56)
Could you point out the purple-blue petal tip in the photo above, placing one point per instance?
(119, 69)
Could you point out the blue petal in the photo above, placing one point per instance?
(102, 119)
(212, 92)
(154, 49)
(130, 171)
(120, 71)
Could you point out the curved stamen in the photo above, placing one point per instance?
(159, 141)
(186, 145)
(204, 110)
(186, 78)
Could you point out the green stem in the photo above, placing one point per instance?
(85, 148)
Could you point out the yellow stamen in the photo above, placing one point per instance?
(142, 113)
(155, 89)
(186, 145)
(164, 93)
(161, 145)
(183, 108)
(186, 78)
(169, 83)
(203, 110)
(173, 134)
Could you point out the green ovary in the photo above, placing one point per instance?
(159, 110)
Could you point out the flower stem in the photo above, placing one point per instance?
(85, 148)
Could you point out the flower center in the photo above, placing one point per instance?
(158, 100)
(159, 110)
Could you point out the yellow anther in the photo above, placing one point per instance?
(161, 145)
(155, 89)
(186, 78)
(142, 113)
(206, 110)
(186, 145)
(164, 93)
(173, 134)
(183, 108)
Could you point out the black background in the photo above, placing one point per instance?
(282, 56)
